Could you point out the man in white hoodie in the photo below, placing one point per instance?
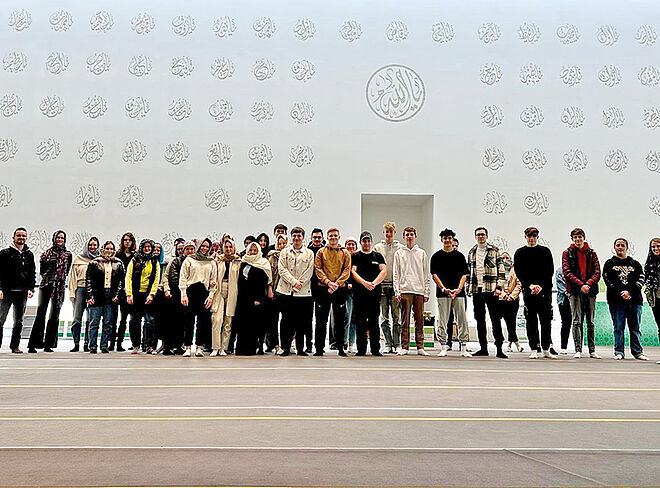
(412, 288)
(387, 247)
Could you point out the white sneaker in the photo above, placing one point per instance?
(222, 353)
(402, 352)
(577, 355)
(443, 351)
(278, 351)
(563, 352)
(393, 350)
(352, 348)
(422, 352)
(641, 357)
(464, 352)
(508, 348)
(199, 353)
(214, 353)
(549, 355)
(534, 355)
(594, 355)
(618, 355)
(187, 353)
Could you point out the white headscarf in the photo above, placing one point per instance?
(258, 261)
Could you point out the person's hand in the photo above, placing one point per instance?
(129, 299)
(2, 295)
(257, 303)
(426, 299)
(150, 298)
(398, 298)
(585, 289)
(626, 295)
(536, 289)
(212, 284)
(115, 300)
(369, 285)
(208, 302)
(349, 286)
(184, 301)
(270, 294)
(298, 285)
(168, 294)
(453, 293)
(30, 294)
(497, 293)
(90, 302)
(73, 299)
(332, 286)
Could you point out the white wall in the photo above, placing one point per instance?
(439, 150)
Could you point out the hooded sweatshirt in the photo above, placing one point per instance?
(411, 272)
(388, 250)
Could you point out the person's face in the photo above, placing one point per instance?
(147, 248)
(93, 245)
(578, 240)
(204, 248)
(263, 242)
(409, 236)
(454, 244)
(351, 246)
(109, 250)
(281, 244)
(20, 236)
(333, 238)
(188, 250)
(365, 244)
(655, 248)
(228, 248)
(246, 243)
(317, 239)
(297, 239)
(59, 239)
(279, 232)
(127, 242)
(389, 235)
(532, 239)
(506, 256)
(157, 250)
(179, 249)
(448, 242)
(252, 251)
(621, 248)
(481, 236)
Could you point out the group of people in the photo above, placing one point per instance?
(267, 298)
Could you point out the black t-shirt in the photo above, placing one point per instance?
(450, 268)
(368, 267)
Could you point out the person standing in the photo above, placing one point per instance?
(333, 268)
(270, 331)
(141, 284)
(388, 304)
(624, 278)
(652, 274)
(54, 267)
(278, 230)
(351, 245)
(296, 268)
(412, 288)
(369, 271)
(582, 273)
(564, 306)
(127, 248)
(449, 271)
(534, 267)
(175, 335)
(316, 243)
(17, 281)
(78, 291)
(509, 302)
(223, 307)
(486, 278)
(104, 283)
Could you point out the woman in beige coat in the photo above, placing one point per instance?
(509, 302)
(224, 302)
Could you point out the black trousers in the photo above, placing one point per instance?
(17, 299)
(539, 310)
(269, 327)
(296, 319)
(197, 294)
(174, 327)
(119, 331)
(337, 301)
(141, 335)
(509, 313)
(566, 321)
(480, 301)
(366, 310)
(37, 340)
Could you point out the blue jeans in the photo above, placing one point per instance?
(349, 322)
(95, 313)
(633, 315)
(79, 307)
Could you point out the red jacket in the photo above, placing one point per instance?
(571, 269)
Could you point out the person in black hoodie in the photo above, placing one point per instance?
(624, 278)
(17, 280)
(535, 268)
(104, 284)
(316, 243)
(126, 252)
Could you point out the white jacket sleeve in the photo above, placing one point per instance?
(396, 272)
(427, 276)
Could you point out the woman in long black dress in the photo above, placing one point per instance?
(254, 279)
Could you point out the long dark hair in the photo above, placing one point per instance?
(133, 244)
(264, 250)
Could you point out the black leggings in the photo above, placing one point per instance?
(197, 294)
(509, 314)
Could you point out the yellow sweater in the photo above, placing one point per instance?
(144, 278)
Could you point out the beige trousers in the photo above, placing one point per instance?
(221, 323)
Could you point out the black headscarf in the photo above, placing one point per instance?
(142, 258)
(264, 250)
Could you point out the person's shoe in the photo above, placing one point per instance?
(222, 353)
(500, 354)
(534, 354)
(187, 353)
(563, 352)
(395, 349)
(308, 350)
(443, 351)
(552, 351)
(449, 347)
(390, 350)
(318, 353)
(285, 353)
(150, 350)
(92, 351)
(377, 354)
(85, 347)
(352, 348)
(342, 353)
(160, 349)
(519, 347)
(402, 352)
(509, 348)
(76, 348)
(260, 352)
(214, 353)
(549, 355)
(32, 350)
(618, 356)
(577, 355)
(361, 354)
(48, 349)
(120, 348)
(104, 351)
(422, 352)
(199, 353)
(464, 352)
(595, 355)
(302, 353)
(111, 346)
(641, 357)
(481, 352)
(168, 352)
(278, 351)
(333, 347)
(136, 350)
(538, 349)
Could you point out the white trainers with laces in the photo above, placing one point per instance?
(187, 353)
(595, 355)
(402, 352)
(577, 355)
(443, 351)
(563, 352)
(534, 354)
(214, 353)
(464, 352)
(549, 355)
(199, 353)
(618, 356)
(422, 352)
(222, 353)
(641, 357)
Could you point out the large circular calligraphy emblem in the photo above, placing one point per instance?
(395, 93)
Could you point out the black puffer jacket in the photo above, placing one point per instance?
(95, 281)
(17, 269)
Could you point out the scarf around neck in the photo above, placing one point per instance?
(258, 261)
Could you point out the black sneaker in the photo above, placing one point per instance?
(32, 350)
(285, 353)
(318, 353)
(104, 351)
(342, 353)
(377, 354)
(76, 348)
(92, 351)
(48, 349)
(552, 351)
(308, 350)
(167, 352)
(85, 348)
(302, 353)
(500, 354)
(120, 348)
(481, 352)
(111, 346)
(363, 354)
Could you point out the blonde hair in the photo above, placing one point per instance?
(389, 226)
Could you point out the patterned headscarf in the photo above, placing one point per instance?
(140, 256)
(198, 253)
(62, 258)
(652, 274)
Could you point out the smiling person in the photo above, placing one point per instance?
(652, 273)
(127, 247)
(17, 280)
(174, 337)
(624, 278)
(198, 285)
(78, 291)
(388, 304)
(223, 307)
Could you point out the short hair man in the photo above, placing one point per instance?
(581, 274)
(278, 230)
(316, 242)
(17, 280)
(449, 271)
(486, 278)
(388, 304)
(535, 268)
(412, 288)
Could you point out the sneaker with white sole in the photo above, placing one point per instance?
(549, 355)
(464, 352)
(595, 355)
(187, 353)
(222, 353)
(563, 352)
(534, 354)
(618, 356)
(641, 357)
(199, 353)
(577, 355)
(443, 351)
(422, 352)
(214, 353)
(402, 352)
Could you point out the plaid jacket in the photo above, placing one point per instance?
(494, 273)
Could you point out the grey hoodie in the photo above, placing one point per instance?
(388, 250)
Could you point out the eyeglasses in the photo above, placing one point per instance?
(481, 235)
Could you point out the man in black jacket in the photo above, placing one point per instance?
(17, 280)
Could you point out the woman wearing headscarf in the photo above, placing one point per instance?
(54, 269)
(224, 301)
(652, 273)
(510, 301)
(198, 284)
(127, 248)
(174, 336)
(264, 243)
(141, 285)
(77, 291)
(216, 249)
(104, 283)
(254, 279)
(272, 306)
